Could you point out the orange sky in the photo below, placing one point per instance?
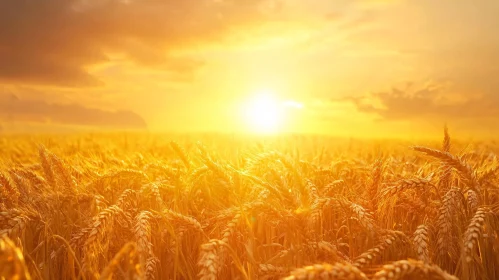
(358, 67)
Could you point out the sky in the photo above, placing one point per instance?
(358, 67)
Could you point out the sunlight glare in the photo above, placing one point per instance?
(264, 113)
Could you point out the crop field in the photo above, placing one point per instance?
(144, 206)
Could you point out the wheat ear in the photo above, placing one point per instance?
(336, 271)
(410, 269)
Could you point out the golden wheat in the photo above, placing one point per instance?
(337, 271)
(410, 269)
(12, 264)
(421, 242)
(474, 232)
(233, 209)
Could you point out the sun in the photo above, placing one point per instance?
(264, 113)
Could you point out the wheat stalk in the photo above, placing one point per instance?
(99, 228)
(410, 269)
(393, 239)
(12, 222)
(421, 242)
(185, 220)
(445, 177)
(12, 264)
(181, 154)
(61, 174)
(447, 216)
(143, 238)
(9, 192)
(464, 170)
(210, 263)
(336, 271)
(473, 200)
(331, 187)
(271, 271)
(127, 250)
(47, 166)
(474, 232)
(414, 183)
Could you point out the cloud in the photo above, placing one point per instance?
(56, 41)
(13, 108)
(435, 101)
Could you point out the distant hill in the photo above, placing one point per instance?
(30, 127)
(17, 111)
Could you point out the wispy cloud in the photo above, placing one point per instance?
(55, 41)
(429, 101)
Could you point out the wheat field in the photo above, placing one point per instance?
(138, 206)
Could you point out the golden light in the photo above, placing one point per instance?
(264, 113)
